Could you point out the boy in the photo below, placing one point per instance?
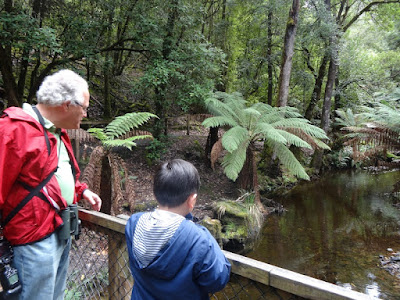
(170, 256)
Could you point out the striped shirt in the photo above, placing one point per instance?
(152, 233)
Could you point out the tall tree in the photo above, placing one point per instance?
(167, 47)
(287, 54)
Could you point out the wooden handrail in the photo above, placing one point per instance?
(279, 278)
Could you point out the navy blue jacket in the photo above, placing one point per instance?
(190, 266)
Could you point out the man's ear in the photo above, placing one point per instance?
(192, 201)
(65, 105)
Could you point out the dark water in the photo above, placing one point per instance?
(335, 229)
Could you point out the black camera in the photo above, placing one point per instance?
(8, 275)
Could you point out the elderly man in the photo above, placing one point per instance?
(39, 182)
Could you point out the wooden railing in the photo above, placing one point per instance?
(99, 269)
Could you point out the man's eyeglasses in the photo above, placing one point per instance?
(83, 108)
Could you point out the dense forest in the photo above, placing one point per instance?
(317, 74)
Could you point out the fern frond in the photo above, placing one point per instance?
(139, 137)
(250, 117)
(219, 108)
(268, 132)
(290, 162)
(234, 137)
(271, 117)
(98, 133)
(345, 118)
(233, 161)
(293, 139)
(311, 130)
(317, 143)
(123, 124)
(290, 122)
(219, 121)
(119, 143)
(289, 112)
(250, 111)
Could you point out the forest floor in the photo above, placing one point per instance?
(214, 183)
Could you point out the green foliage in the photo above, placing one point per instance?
(110, 136)
(123, 124)
(22, 32)
(375, 130)
(156, 149)
(278, 128)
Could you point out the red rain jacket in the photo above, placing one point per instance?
(24, 160)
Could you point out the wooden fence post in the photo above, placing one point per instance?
(120, 278)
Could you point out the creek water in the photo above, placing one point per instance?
(334, 229)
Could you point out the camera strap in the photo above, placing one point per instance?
(28, 197)
(41, 121)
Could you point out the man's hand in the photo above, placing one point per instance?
(93, 199)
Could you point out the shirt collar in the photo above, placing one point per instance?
(47, 123)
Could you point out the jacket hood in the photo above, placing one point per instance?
(171, 258)
(167, 263)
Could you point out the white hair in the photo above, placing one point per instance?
(64, 85)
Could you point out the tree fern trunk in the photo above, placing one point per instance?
(245, 179)
(256, 187)
(211, 140)
(105, 186)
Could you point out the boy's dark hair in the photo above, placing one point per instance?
(175, 181)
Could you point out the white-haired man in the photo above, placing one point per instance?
(39, 181)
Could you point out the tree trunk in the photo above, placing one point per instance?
(269, 57)
(326, 108)
(287, 54)
(107, 73)
(10, 86)
(160, 124)
(106, 91)
(338, 100)
(316, 94)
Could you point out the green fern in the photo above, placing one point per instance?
(233, 138)
(376, 128)
(123, 124)
(279, 128)
(110, 135)
(233, 161)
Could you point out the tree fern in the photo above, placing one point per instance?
(280, 128)
(106, 162)
(121, 126)
(377, 128)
